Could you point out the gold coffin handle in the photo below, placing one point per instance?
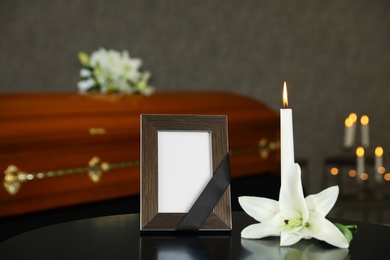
(96, 172)
(266, 147)
(14, 177)
(97, 131)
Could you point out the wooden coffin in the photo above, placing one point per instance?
(65, 149)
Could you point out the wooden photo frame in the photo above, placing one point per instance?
(185, 158)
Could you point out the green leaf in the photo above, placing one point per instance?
(293, 255)
(346, 230)
(83, 58)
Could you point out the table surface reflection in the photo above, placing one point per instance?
(118, 237)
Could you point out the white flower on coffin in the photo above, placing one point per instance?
(111, 71)
(293, 217)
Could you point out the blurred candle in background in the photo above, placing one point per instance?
(378, 158)
(349, 131)
(379, 169)
(379, 172)
(348, 138)
(353, 116)
(359, 163)
(364, 120)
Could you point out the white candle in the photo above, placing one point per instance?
(348, 135)
(359, 163)
(364, 120)
(286, 135)
(378, 158)
(379, 170)
(349, 132)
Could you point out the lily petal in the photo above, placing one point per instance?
(288, 239)
(260, 209)
(324, 201)
(322, 229)
(260, 230)
(291, 193)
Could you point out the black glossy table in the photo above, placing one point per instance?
(118, 237)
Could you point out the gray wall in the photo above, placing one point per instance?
(334, 54)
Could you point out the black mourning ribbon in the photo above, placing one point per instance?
(207, 200)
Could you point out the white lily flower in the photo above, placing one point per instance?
(84, 85)
(84, 73)
(293, 217)
(112, 71)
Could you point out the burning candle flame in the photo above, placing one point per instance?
(353, 117)
(378, 151)
(285, 99)
(360, 152)
(348, 122)
(364, 120)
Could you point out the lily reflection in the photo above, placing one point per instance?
(303, 250)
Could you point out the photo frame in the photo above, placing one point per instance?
(185, 173)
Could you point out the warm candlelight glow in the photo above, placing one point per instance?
(364, 176)
(381, 170)
(387, 177)
(348, 122)
(285, 99)
(378, 151)
(364, 120)
(352, 173)
(353, 117)
(360, 152)
(334, 171)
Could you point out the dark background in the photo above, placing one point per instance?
(334, 55)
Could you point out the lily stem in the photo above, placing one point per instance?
(351, 226)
